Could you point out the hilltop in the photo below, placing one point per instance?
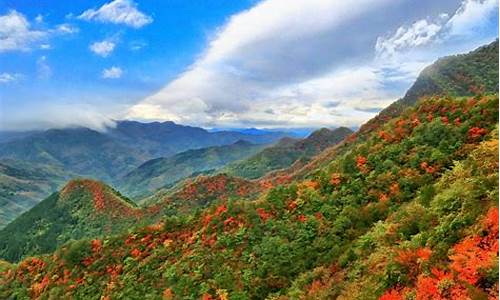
(82, 208)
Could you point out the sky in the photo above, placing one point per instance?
(223, 63)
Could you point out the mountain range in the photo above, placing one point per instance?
(405, 208)
(37, 163)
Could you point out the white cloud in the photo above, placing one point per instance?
(118, 12)
(112, 73)
(66, 29)
(471, 16)
(39, 18)
(55, 115)
(137, 45)
(255, 55)
(103, 48)
(418, 34)
(270, 66)
(9, 77)
(16, 34)
(44, 71)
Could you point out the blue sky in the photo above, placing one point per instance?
(271, 63)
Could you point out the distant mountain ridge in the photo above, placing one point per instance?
(159, 172)
(286, 152)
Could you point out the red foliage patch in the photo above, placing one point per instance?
(476, 132)
(135, 252)
(428, 168)
(335, 179)
(263, 214)
(302, 218)
(361, 163)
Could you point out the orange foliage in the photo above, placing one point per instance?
(383, 197)
(220, 210)
(476, 253)
(361, 163)
(335, 179)
(292, 205)
(135, 252)
(206, 297)
(427, 288)
(385, 136)
(415, 122)
(96, 245)
(394, 188)
(310, 184)
(168, 294)
(392, 294)
(424, 253)
(38, 288)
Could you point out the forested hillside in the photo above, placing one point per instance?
(406, 208)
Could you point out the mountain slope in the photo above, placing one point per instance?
(82, 208)
(399, 213)
(22, 185)
(440, 78)
(460, 75)
(161, 172)
(286, 152)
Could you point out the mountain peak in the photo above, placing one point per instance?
(104, 198)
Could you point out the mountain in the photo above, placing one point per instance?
(286, 152)
(104, 156)
(405, 210)
(438, 79)
(455, 76)
(83, 208)
(22, 185)
(160, 172)
(82, 151)
(167, 138)
(114, 153)
(411, 211)
(86, 208)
